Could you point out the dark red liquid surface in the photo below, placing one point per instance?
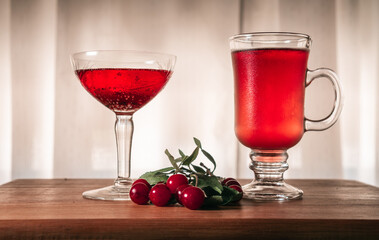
(269, 97)
(123, 90)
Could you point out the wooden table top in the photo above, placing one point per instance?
(54, 208)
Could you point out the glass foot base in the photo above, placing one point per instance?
(108, 193)
(270, 191)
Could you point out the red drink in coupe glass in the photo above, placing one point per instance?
(123, 90)
(269, 97)
(123, 81)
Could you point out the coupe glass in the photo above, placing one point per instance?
(270, 75)
(123, 81)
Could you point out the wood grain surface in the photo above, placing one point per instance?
(54, 208)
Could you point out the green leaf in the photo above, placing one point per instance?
(229, 195)
(197, 142)
(214, 200)
(172, 160)
(237, 196)
(209, 191)
(183, 159)
(211, 159)
(154, 177)
(198, 169)
(192, 157)
(167, 169)
(211, 181)
(181, 153)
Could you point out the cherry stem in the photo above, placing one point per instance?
(196, 179)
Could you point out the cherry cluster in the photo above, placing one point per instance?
(178, 187)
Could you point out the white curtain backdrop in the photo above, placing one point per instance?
(50, 127)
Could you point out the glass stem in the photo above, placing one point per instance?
(124, 134)
(269, 165)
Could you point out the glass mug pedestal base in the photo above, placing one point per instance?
(271, 191)
(117, 192)
(269, 167)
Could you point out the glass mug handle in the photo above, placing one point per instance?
(327, 122)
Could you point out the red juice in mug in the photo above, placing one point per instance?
(269, 96)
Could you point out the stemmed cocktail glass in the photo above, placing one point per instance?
(123, 81)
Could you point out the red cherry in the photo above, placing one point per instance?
(160, 195)
(232, 182)
(139, 193)
(193, 197)
(227, 179)
(176, 180)
(141, 180)
(239, 189)
(179, 192)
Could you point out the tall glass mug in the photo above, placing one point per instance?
(270, 75)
